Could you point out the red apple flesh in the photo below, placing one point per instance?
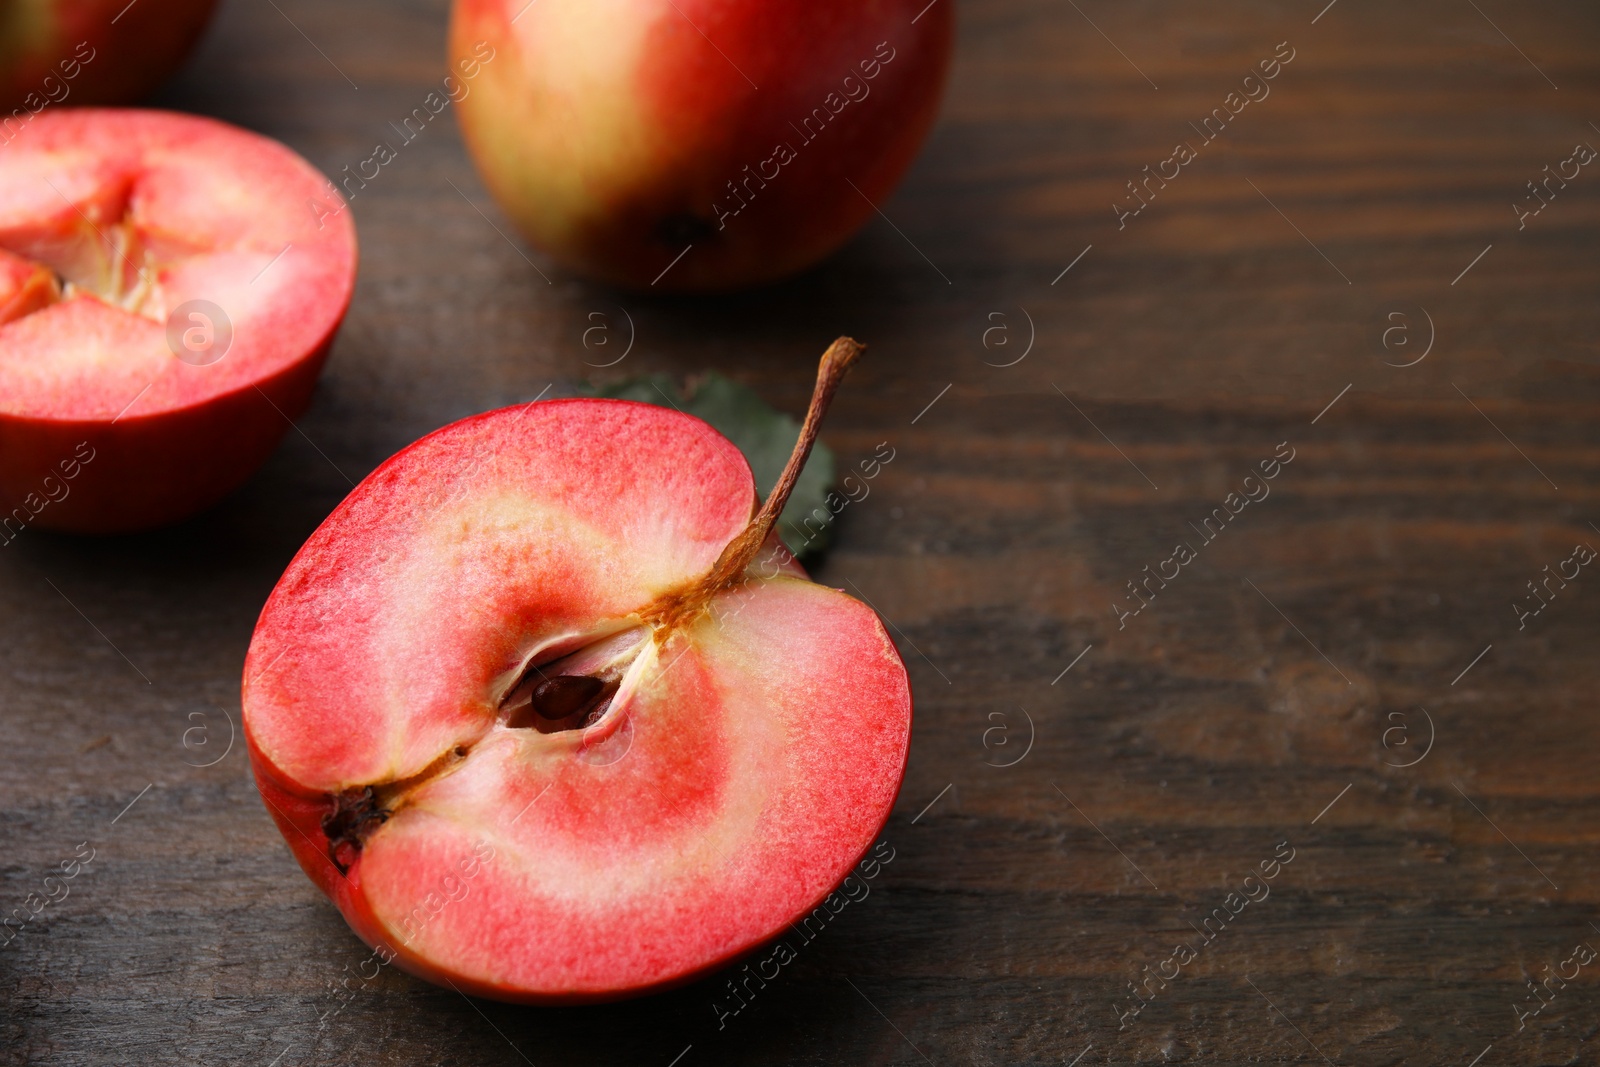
(83, 52)
(552, 719)
(111, 223)
(617, 133)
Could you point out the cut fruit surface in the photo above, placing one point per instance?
(702, 776)
(25, 287)
(504, 539)
(741, 779)
(152, 266)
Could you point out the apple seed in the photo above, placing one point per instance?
(556, 698)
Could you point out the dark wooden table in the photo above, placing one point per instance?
(1340, 676)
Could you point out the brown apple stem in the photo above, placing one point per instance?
(729, 569)
(742, 549)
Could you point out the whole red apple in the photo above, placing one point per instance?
(551, 718)
(169, 287)
(748, 137)
(83, 52)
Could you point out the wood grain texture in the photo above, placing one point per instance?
(1255, 689)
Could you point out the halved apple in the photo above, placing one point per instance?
(169, 288)
(552, 718)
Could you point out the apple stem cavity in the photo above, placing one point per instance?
(675, 608)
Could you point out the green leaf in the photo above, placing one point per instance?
(764, 435)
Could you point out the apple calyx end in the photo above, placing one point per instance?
(676, 608)
(358, 811)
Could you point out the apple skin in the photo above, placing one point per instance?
(150, 471)
(130, 50)
(761, 762)
(610, 130)
(103, 429)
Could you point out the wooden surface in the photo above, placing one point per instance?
(1263, 684)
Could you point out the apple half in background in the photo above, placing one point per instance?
(551, 718)
(168, 294)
